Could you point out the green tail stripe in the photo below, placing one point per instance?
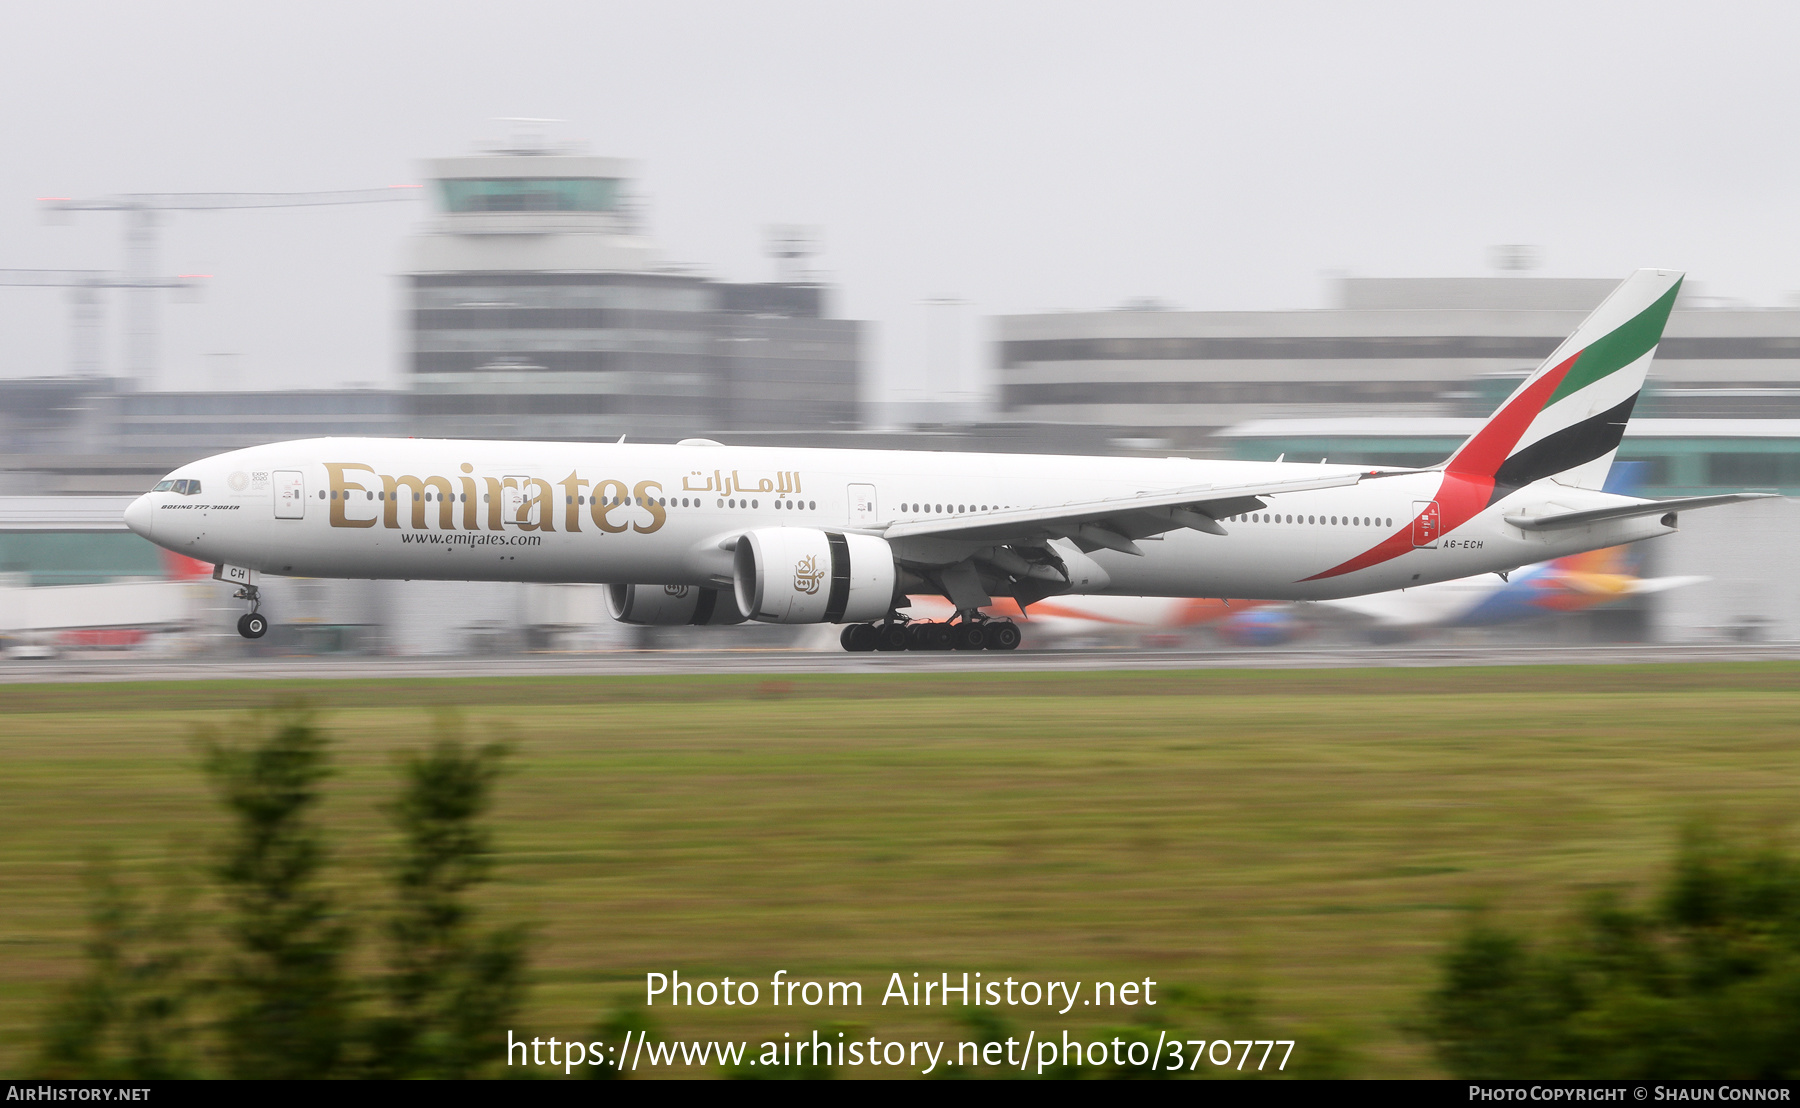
(1619, 347)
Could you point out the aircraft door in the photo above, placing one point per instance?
(290, 494)
(1425, 524)
(862, 506)
(512, 498)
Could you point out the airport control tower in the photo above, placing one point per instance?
(539, 309)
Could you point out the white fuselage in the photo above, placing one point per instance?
(656, 514)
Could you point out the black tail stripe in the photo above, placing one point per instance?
(1578, 444)
(839, 598)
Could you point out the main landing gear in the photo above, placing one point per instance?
(252, 624)
(966, 633)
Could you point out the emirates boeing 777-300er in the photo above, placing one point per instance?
(704, 533)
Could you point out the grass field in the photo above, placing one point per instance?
(1310, 837)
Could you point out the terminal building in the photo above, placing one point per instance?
(539, 309)
(1390, 347)
(535, 307)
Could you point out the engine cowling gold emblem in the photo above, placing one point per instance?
(807, 575)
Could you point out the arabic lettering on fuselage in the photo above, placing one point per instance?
(727, 484)
(473, 502)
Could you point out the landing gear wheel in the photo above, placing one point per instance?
(1003, 635)
(971, 636)
(252, 625)
(929, 636)
(891, 636)
(858, 638)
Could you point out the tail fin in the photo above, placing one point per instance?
(1566, 420)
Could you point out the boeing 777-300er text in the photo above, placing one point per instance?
(701, 533)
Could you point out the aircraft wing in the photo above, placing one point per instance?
(1419, 606)
(1113, 523)
(1625, 511)
(1641, 586)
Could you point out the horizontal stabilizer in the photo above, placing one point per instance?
(1627, 511)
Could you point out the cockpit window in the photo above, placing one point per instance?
(188, 488)
(163, 486)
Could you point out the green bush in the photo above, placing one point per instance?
(280, 1001)
(1701, 983)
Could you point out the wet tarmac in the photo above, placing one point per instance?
(100, 666)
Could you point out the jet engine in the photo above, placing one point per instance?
(671, 605)
(801, 575)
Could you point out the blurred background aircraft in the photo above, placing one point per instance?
(1566, 586)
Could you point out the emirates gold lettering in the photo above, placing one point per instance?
(607, 496)
(471, 502)
(571, 487)
(537, 513)
(527, 503)
(416, 489)
(651, 504)
(341, 488)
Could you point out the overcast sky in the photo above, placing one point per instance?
(1021, 157)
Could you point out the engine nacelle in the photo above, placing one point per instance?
(802, 575)
(671, 605)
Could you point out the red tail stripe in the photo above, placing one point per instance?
(1393, 546)
(1483, 454)
(1468, 483)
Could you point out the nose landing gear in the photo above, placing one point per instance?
(252, 624)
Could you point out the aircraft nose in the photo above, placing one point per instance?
(139, 515)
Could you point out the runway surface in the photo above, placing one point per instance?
(105, 667)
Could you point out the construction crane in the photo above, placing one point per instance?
(143, 211)
(85, 286)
